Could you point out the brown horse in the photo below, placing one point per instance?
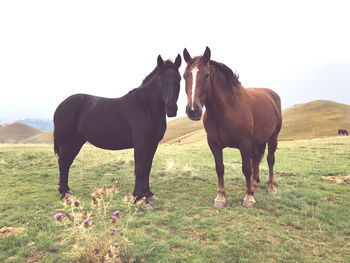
(343, 132)
(235, 117)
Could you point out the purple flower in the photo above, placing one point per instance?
(58, 216)
(94, 200)
(113, 229)
(116, 245)
(96, 250)
(68, 202)
(87, 223)
(76, 203)
(114, 219)
(116, 213)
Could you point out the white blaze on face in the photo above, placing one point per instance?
(194, 78)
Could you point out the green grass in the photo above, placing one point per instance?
(308, 220)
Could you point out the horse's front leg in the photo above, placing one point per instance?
(220, 200)
(246, 155)
(143, 164)
(149, 195)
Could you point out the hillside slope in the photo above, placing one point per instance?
(45, 137)
(15, 132)
(181, 127)
(320, 118)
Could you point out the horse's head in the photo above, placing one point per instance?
(197, 77)
(169, 82)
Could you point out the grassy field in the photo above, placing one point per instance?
(308, 220)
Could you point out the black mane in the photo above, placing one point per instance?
(156, 70)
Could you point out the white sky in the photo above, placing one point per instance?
(52, 49)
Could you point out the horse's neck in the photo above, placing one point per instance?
(150, 96)
(222, 95)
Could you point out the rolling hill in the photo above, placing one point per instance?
(315, 119)
(320, 118)
(181, 127)
(16, 132)
(44, 137)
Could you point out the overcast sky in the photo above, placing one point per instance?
(52, 49)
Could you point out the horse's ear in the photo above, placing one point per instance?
(160, 61)
(178, 61)
(187, 56)
(206, 55)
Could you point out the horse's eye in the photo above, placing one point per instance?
(206, 76)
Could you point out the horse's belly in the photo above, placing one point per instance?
(110, 139)
(223, 138)
(111, 143)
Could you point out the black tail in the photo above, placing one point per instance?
(55, 143)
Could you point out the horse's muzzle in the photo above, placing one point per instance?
(171, 110)
(194, 112)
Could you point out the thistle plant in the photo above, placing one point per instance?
(95, 233)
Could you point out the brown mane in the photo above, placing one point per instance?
(230, 76)
(217, 67)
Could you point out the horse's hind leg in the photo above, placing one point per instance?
(272, 146)
(256, 158)
(246, 154)
(220, 200)
(67, 152)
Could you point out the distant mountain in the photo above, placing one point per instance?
(41, 124)
(45, 125)
(320, 118)
(15, 132)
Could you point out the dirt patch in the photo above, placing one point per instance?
(8, 231)
(273, 240)
(330, 201)
(285, 174)
(337, 178)
(34, 256)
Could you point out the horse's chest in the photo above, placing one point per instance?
(221, 134)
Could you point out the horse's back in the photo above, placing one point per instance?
(100, 121)
(266, 108)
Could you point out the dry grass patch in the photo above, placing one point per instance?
(8, 231)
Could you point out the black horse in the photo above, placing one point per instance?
(343, 132)
(136, 120)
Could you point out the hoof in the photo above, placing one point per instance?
(272, 190)
(64, 194)
(248, 203)
(146, 207)
(152, 198)
(219, 204)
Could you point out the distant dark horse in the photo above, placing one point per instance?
(235, 117)
(136, 120)
(343, 132)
